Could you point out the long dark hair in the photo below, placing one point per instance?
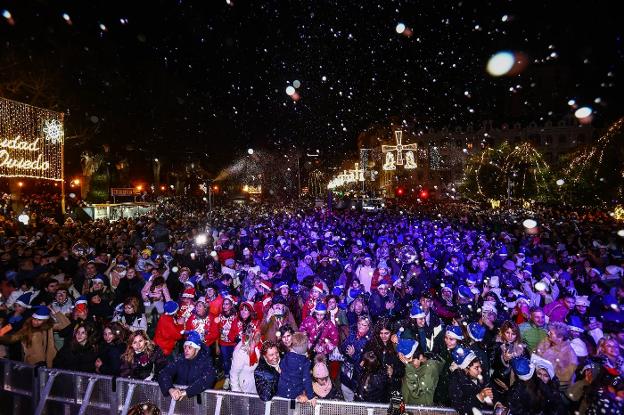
(377, 345)
(92, 335)
(371, 364)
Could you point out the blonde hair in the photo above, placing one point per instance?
(128, 355)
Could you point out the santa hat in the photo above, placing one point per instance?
(24, 300)
(170, 308)
(267, 285)
(318, 287)
(476, 332)
(541, 363)
(406, 347)
(248, 304)
(189, 293)
(464, 292)
(193, 339)
(463, 356)
(320, 308)
(523, 368)
(417, 311)
(454, 332)
(41, 313)
(230, 297)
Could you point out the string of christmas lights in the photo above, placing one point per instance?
(31, 141)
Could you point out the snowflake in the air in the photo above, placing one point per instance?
(53, 131)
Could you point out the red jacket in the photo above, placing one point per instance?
(205, 327)
(227, 329)
(167, 333)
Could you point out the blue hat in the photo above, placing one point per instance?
(471, 278)
(24, 300)
(320, 308)
(522, 367)
(455, 332)
(576, 324)
(337, 291)
(193, 339)
(464, 292)
(476, 331)
(502, 251)
(170, 307)
(343, 305)
(462, 356)
(278, 286)
(417, 311)
(407, 347)
(41, 313)
(354, 292)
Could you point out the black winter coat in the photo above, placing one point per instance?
(78, 358)
(267, 378)
(547, 401)
(374, 388)
(198, 374)
(110, 355)
(463, 393)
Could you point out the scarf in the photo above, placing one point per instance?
(322, 391)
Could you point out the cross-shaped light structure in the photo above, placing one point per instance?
(359, 173)
(399, 148)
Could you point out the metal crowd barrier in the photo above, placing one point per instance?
(19, 387)
(46, 391)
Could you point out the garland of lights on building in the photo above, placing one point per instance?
(31, 141)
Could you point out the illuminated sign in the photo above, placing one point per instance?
(31, 141)
(124, 191)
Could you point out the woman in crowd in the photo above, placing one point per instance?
(467, 390)
(322, 384)
(385, 350)
(37, 336)
(130, 316)
(557, 350)
(357, 308)
(244, 362)
(80, 353)
(112, 346)
(372, 385)
(508, 346)
(285, 336)
(142, 359)
(267, 373)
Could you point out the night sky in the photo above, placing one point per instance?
(207, 79)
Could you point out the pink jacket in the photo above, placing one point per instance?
(556, 311)
(328, 338)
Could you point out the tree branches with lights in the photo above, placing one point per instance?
(507, 172)
(596, 173)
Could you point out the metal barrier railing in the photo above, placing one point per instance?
(54, 390)
(19, 386)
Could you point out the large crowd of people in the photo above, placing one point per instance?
(441, 304)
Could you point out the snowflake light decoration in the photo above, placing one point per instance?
(53, 131)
